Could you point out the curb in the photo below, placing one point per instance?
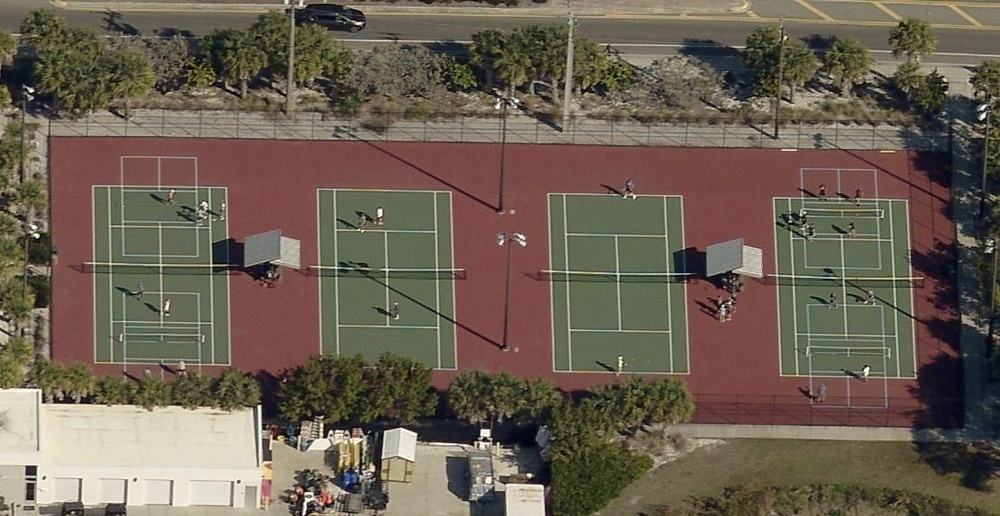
(547, 10)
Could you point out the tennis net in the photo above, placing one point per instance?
(615, 277)
(155, 268)
(846, 213)
(849, 351)
(855, 281)
(386, 273)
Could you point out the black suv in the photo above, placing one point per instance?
(331, 16)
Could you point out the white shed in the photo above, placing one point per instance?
(524, 500)
(399, 453)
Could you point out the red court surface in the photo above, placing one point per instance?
(727, 194)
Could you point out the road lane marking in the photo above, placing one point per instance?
(965, 15)
(809, 7)
(892, 14)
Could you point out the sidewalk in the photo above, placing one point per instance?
(527, 7)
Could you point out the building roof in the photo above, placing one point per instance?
(399, 443)
(126, 435)
(525, 500)
(19, 426)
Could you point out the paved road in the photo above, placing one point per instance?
(966, 34)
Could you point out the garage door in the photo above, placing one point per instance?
(67, 489)
(111, 490)
(211, 492)
(158, 491)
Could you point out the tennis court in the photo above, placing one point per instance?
(845, 291)
(387, 284)
(618, 284)
(160, 269)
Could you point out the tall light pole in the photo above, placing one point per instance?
(506, 240)
(991, 249)
(502, 102)
(781, 72)
(983, 114)
(26, 96)
(30, 232)
(568, 92)
(290, 87)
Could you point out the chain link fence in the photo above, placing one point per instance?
(518, 128)
(877, 411)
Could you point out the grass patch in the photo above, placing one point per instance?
(782, 462)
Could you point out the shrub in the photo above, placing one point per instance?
(587, 481)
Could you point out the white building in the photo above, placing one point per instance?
(96, 454)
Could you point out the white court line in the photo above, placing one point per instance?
(683, 286)
(913, 305)
(454, 306)
(895, 291)
(615, 330)
(437, 284)
(795, 295)
(374, 229)
(666, 264)
(618, 284)
(388, 288)
(552, 289)
(336, 279)
(569, 322)
(630, 235)
(382, 326)
(319, 260)
(874, 337)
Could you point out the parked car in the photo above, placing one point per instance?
(116, 509)
(73, 509)
(332, 16)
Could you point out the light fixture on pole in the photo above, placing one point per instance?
(781, 72)
(983, 114)
(991, 249)
(503, 239)
(30, 232)
(27, 95)
(502, 102)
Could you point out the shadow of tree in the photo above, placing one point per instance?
(975, 464)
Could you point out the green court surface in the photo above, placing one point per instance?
(407, 260)
(617, 285)
(819, 338)
(147, 251)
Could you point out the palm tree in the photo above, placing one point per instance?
(538, 397)
(114, 390)
(80, 382)
(236, 389)
(44, 29)
(31, 196)
(132, 76)
(49, 377)
(192, 390)
(152, 392)
(913, 38)
(241, 59)
(17, 299)
(986, 80)
(760, 57)
(908, 77)
(847, 62)
(486, 48)
(8, 46)
(801, 65)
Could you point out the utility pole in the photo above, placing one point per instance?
(781, 73)
(991, 249)
(290, 87)
(503, 102)
(568, 92)
(26, 96)
(983, 114)
(503, 239)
